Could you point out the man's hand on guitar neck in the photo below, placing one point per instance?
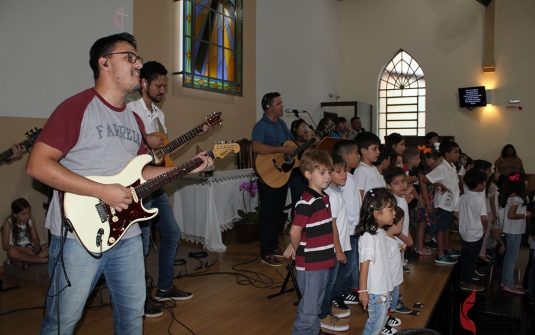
(17, 150)
(205, 127)
(155, 141)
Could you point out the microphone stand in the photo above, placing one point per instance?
(296, 113)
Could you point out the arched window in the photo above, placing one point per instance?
(213, 45)
(402, 97)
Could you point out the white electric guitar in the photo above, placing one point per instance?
(98, 227)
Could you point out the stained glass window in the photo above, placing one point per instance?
(402, 97)
(213, 45)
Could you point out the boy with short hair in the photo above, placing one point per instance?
(313, 236)
(367, 175)
(411, 158)
(472, 214)
(347, 279)
(329, 313)
(432, 140)
(395, 179)
(445, 176)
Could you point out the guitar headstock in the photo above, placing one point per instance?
(328, 129)
(214, 119)
(223, 148)
(33, 133)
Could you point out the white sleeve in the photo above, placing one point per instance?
(361, 177)
(351, 197)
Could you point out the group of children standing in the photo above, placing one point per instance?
(350, 229)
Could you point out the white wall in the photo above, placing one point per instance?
(297, 53)
(45, 50)
(446, 38)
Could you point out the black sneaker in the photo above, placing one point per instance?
(173, 294)
(432, 245)
(480, 273)
(402, 309)
(339, 303)
(271, 260)
(151, 311)
(278, 252)
(472, 287)
(351, 299)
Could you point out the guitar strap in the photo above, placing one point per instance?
(146, 148)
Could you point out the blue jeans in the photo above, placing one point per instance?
(377, 313)
(312, 286)
(395, 298)
(511, 254)
(125, 276)
(169, 231)
(327, 303)
(347, 278)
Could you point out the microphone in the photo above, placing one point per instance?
(287, 110)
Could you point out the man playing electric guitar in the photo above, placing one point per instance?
(153, 84)
(94, 133)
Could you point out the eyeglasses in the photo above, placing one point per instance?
(132, 57)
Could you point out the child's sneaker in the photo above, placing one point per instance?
(393, 322)
(445, 260)
(340, 313)
(452, 253)
(387, 330)
(432, 245)
(402, 309)
(332, 322)
(351, 299)
(339, 302)
(472, 287)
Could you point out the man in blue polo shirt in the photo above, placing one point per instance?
(269, 133)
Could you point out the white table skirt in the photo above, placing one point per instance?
(206, 206)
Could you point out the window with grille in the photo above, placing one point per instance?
(402, 97)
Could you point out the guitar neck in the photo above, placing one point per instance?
(307, 144)
(168, 148)
(4, 156)
(155, 183)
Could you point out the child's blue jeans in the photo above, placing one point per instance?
(377, 313)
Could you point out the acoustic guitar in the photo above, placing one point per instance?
(98, 227)
(162, 155)
(275, 169)
(32, 136)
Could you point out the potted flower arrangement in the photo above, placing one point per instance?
(247, 227)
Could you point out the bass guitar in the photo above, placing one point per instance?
(275, 169)
(32, 136)
(98, 227)
(162, 155)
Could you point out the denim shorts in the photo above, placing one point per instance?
(445, 220)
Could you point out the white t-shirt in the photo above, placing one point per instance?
(446, 174)
(338, 212)
(493, 191)
(368, 177)
(353, 202)
(470, 208)
(514, 226)
(394, 259)
(374, 249)
(402, 203)
(150, 119)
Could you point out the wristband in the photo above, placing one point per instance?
(360, 291)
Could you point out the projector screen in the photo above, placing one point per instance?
(45, 50)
